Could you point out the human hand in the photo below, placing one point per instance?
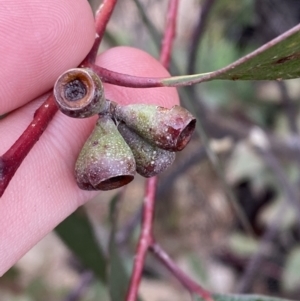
(39, 41)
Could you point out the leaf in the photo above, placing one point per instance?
(219, 297)
(77, 233)
(277, 60)
(118, 279)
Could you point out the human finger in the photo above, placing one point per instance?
(38, 41)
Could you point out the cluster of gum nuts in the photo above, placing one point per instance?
(126, 139)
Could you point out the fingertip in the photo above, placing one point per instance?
(42, 39)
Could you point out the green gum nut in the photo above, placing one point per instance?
(150, 159)
(169, 129)
(105, 162)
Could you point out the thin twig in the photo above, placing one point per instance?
(167, 43)
(126, 80)
(102, 17)
(183, 278)
(145, 239)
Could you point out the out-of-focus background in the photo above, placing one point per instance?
(195, 220)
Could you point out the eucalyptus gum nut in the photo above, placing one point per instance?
(105, 162)
(79, 93)
(150, 159)
(169, 129)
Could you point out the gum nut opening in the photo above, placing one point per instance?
(96, 181)
(79, 93)
(185, 135)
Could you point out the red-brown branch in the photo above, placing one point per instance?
(12, 159)
(170, 31)
(183, 278)
(102, 17)
(145, 239)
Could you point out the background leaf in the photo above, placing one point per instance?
(77, 233)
